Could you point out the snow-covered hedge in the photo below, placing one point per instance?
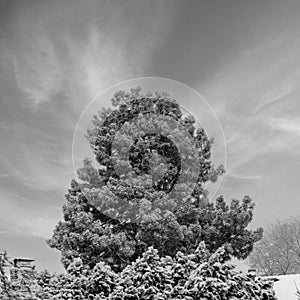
(197, 276)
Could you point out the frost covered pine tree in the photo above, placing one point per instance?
(100, 208)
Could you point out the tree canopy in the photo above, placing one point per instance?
(278, 252)
(148, 189)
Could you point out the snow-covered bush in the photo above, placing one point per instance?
(200, 275)
(189, 277)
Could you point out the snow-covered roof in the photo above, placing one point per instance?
(285, 288)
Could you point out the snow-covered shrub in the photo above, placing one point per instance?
(200, 275)
(189, 277)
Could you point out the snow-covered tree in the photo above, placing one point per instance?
(278, 252)
(145, 145)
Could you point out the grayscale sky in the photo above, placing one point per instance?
(243, 56)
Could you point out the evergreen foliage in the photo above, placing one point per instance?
(114, 219)
(200, 275)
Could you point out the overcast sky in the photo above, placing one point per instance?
(243, 56)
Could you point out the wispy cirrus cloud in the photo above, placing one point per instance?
(256, 97)
(286, 125)
(273, 100)
(55, 57)
(51, 57)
